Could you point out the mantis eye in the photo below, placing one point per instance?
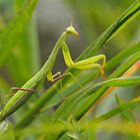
(71, 30)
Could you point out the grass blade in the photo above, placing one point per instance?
(13, 31)
(117, 110)
(129, 118)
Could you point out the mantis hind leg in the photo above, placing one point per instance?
(89, 63)
(91, 66)
(13, 90)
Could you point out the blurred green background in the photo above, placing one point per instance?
(51, 17)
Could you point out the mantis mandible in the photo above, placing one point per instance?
(22, 94)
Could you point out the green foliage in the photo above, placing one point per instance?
(64, 113)
(128, 117)
(20, 50)
(6, 131)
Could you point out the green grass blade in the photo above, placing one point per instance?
(108, 126)
(6, 131)
(127, 116)
(67, 109)
(4, 86)
(79, 97)
(111, 113)
(117, 110)
(118, 25)
(119, 58)
(15, 29)
(27, 52)
(120, 70)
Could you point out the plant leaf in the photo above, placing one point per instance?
(14, 30)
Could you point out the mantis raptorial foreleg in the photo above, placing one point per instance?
(58, 76)
(55, 77)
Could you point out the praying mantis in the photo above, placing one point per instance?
(22, 94)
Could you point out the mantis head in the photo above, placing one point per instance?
(70, 30)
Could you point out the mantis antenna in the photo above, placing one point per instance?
(71, 21)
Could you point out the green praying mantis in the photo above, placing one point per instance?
(22, 93)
